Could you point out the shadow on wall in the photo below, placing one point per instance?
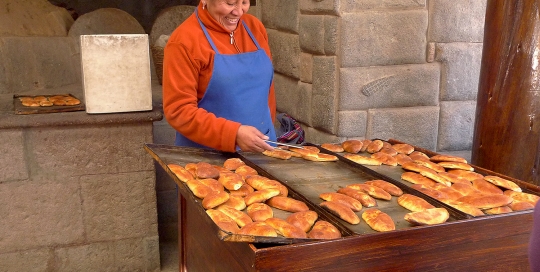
(145, 11)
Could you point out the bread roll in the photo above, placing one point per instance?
(504, 183)
(352, 146)
(362, 160)
(416, 178)
(371, 190)
(192, 168)
(259, 212)
(466, 208)
(324, 230)
(403, 148)
(180, 172)
(385, 185)
(498, 210)
(436, 177)
(402, 158)
(388, 150)
(447, 158)
(213, 184)
(385, 158)
(428, 217)
(341, 211)
(320, 157)
(485, 202)
(364, 198)
(244, 190)
(233, 163)
(285, 229)
(418, 156)
(287, 204)
(431, 165)
(206, 170)
(261, 183)
(303, 220)
(258, 229)
(333, 147)
(468, 175)
(346, 200)
(522, 197)
(456, 165)
(485, 187)
(215, 199)
(454, 178)
(431, 192)
(414, 203)
(520, 206)
(239, 217)
(245, 171)
(277, 153)
(198, 189)
(378, 220)
(374, 146)
(465, 189)
(415, 167)
(235, 202)
(231, 181)
(260, 196)
(365, 144)
(224, 222)
(452, 195)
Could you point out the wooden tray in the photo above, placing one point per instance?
(20, 109)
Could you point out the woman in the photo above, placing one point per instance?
(218, 79)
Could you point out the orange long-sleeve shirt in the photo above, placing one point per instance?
(187, 69)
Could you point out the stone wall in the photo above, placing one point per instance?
(406, 70)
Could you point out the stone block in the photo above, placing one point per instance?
(36, 63)
(415, 125)
(304, 105)
(324, 117)
(33, 18)
(306, 67)
(456, 125)
(88, 150)
(119, 206)
(352, 123)
(12, 164)
(456, 20)
(28, 261)
(122, 255)
(40, 214)
(168, 20)
(287, 94)
(376, 38)
(280, 14)
(389, 87)
(311, 33)
(319, 6)
(332, 31)
(316, 136)
(361, 5)
(285, 48)
(461, 70)
(105, 21)
(325, 75)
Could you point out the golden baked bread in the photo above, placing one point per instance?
(522, 197)
(435, 177)
(364, 198)
(414, 203)
(261, 182)
(371, 190)
(456, 165)
(198, 189)
(374, 146)
(303, 220)
(454, 178)
(402, 158)
(287, 204)
(233, 163)
(389, 150)
(180, 172)
(486, 187)
(385, 185)
(223, 221)
(431, 192)
(485, 202)
(465, 189)
(258, 229)
(245, 171)
(498, 210)
(451, 194)
(214, 199)
(378, 220)
(365, 144)
(213, 184)
(403, 148)
(239, 217)
(385, 158)
(431, 165)
(260, 196)
(244, 190)
(278, 153)
(447, 158)
(341, 211)
(320, 157)
(416, 178)
(466, 174)
(333, 147)
(346, 200)
(285, 229)
(362, 160)
(417, 155)
(206, 170)
(259, 212)
(466, 208)
(232, 181)
(428, 217)
(415, 167)
(192, 168)
(324, 230)
(235, 202)
(504, 183)
(352, 146)
(520, 206)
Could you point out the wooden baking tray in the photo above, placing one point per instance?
(21, 109)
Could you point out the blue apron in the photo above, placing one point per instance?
(238, 89)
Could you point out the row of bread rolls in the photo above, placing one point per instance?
(240, 201)
(310, 153)
(447, 178)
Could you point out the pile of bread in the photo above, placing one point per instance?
(240, 201)
(449, 179)
(308, 152)
(49, 101)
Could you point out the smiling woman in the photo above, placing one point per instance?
(227, 12)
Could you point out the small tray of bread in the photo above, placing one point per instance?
(244, 201)
(32, 104)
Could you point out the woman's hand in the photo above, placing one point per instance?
(249, 138)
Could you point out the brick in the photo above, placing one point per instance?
(376, 38)
(325, 118)
(286, 51)
(122, 255)
(417, 126)
(389, 87)
(311, 33)
(325, 75)
(12, 164)
(119, 206)
(280, 14)
(361, 5)
(319, 6)
(28, 261)
(456, 128)
(331, 34)
(456, 20)
(461, 70)
(287, 94)
(352, 123)
(304, 108)
(306, 67)
(39, 214)
(88, 150)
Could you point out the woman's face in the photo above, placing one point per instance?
(227, 12)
